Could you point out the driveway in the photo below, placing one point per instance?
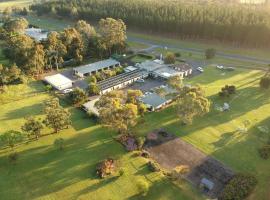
(76, 81)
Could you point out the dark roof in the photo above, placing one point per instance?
(119, 79)
(153, 100)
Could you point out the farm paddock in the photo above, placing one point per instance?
(170, 151)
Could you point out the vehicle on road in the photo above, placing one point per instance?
(220, 67)
(200, 69)
(140, 81)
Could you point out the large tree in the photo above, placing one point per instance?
(11, 138)
(57, 117)
(113, 34)
(116, 113)
(17, 25)
(191, 103)
(32, 127)
(78, 96)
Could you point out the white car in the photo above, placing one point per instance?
(140, 81)
(220, 67)
(200, 69)
(66, 91)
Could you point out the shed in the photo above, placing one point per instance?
(59, 82)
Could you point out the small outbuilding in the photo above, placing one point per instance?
(154, 102)
(58, 81)
(206, 185)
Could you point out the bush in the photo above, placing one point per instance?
(265, 152)
(143, 187)
(227, 91)
(169, 58)
(140, 141)
(59, 143)
(153, 166)
(105, 168)
(121, 172)
(178, 54)
(240, 187)
(13, 157)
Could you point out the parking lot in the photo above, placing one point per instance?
(148, 85)
(80, 83)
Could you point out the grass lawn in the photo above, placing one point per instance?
(226, 48)
(216, 133)
(43, 172)
(15, 3)
(137, 45)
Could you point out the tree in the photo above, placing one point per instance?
(17, 25)
(133, 96)
(113, 34)
(227, 91)
(176, 82)
(55, 50)
(11, 138)
(169, 58)
(32, 127)
(93, 89)
(191, 103)
(57, 117)
(210, 53)
(265, 82)
(116, 113)
(9, 75)
(78, 96)
(92, 79)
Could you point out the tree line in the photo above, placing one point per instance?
(236, 23)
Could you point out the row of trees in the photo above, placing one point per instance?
(237, 23)
(72, 44)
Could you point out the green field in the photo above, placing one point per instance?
(216, 133)
(15, 3)
(42, 172)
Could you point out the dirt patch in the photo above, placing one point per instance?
(170, 151)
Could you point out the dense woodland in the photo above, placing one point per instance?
(236, 23)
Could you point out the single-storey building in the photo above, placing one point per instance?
(58, 81)
(154, 102)
(158, 69)
(130, 69)
(36, 33)
(87, 70)
(121, 80)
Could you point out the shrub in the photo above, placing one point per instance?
(177, 54)
(59, 143)
(227, 91)
(121, 172)
(105, 168)
(153, 166)
(169, 58)
(240, 187)
(140, 141)
(143, 187)
(13, 157)
(265, 152)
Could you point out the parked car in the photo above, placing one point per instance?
(230, 68)
(66, 91)
(220, 67)
(140, 81)
(200, 69)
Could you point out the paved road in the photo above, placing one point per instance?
(153, 45)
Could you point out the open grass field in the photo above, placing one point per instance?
(217, 132)
(43, 172)
(14, 3)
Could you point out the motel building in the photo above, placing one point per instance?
(93, 68)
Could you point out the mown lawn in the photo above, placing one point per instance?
(14, 3)
(217, 132)
(43, 172)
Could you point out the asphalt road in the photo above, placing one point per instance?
(153, 45)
